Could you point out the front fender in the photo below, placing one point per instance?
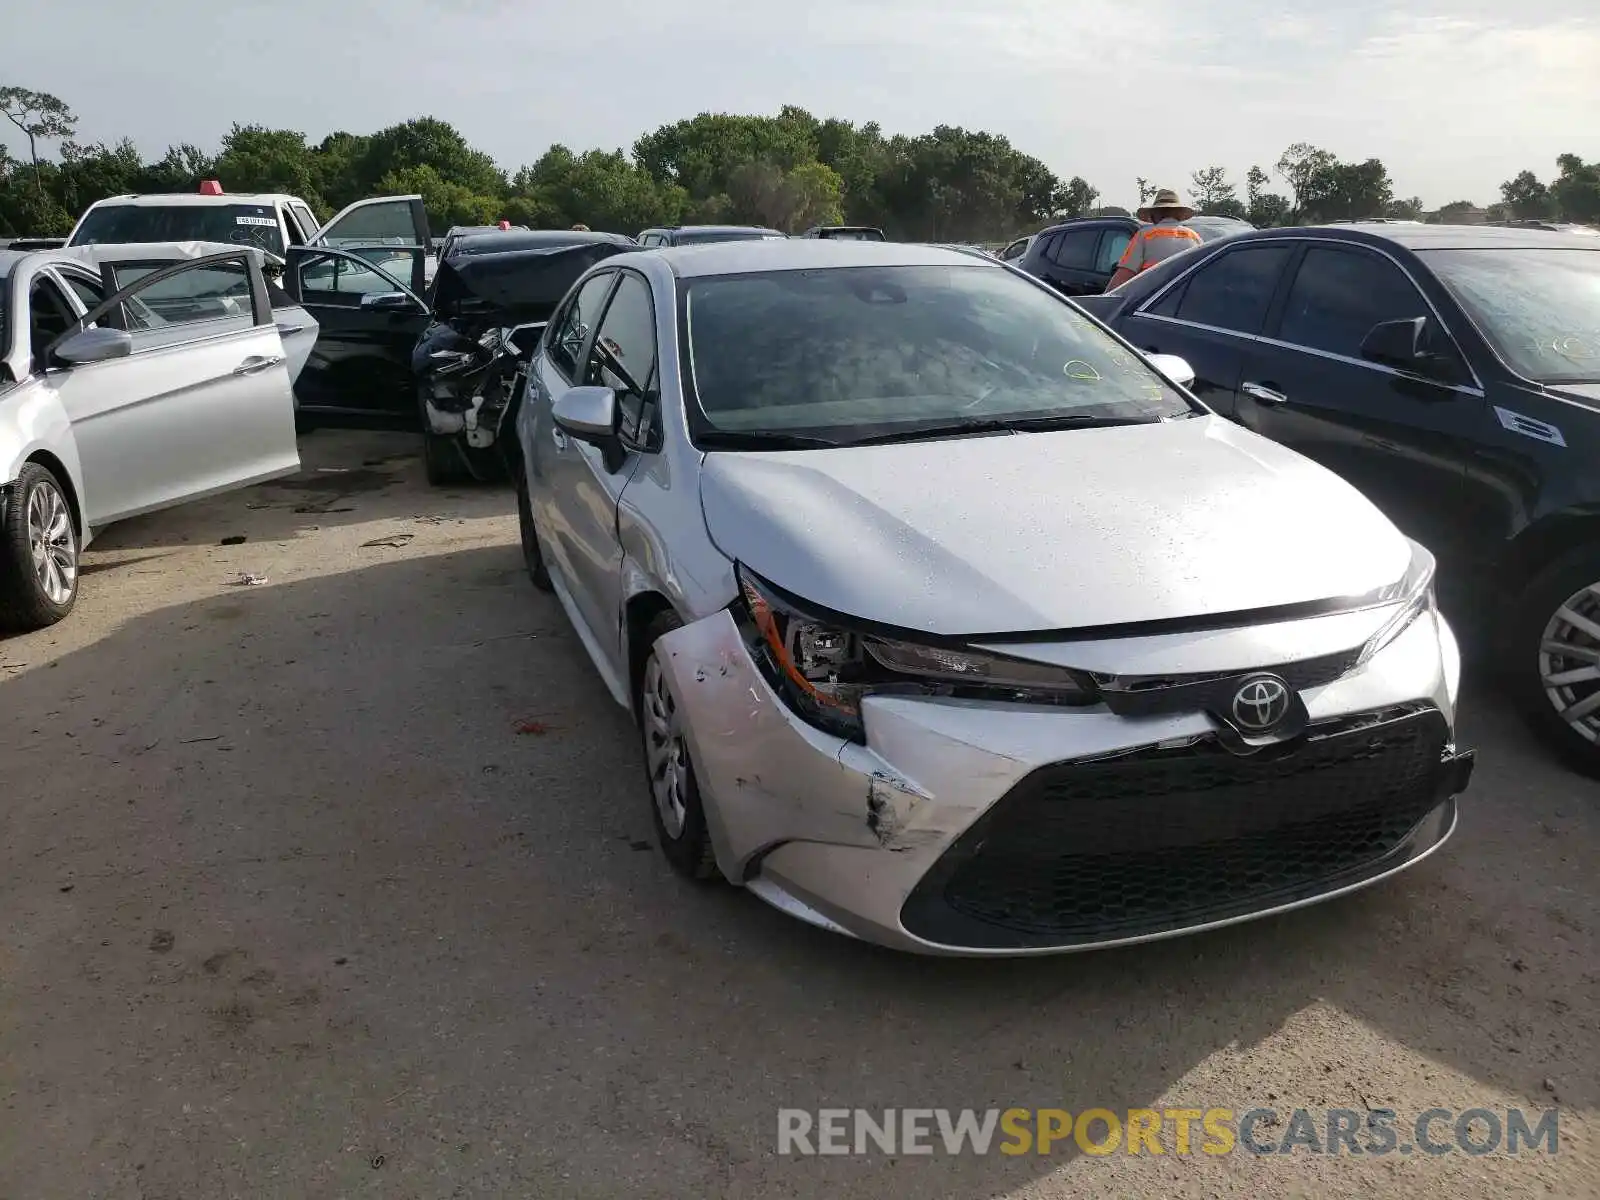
(32, 421)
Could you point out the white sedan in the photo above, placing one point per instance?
(132, 378)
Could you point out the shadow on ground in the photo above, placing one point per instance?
(292, 909)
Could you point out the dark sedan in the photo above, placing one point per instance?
(1078, 258)
(1453, 374)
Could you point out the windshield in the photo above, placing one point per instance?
(1539, 308)
(242, 224)
(847, 352)
(696, 237)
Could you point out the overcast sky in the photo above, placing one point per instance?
(1454, 95)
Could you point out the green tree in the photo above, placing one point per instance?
(257, 159)
(1451, 214)
(448, 203)
(428, 142)
(38, 115)
(602, 190)
(1076, 198)
(1405, 210)
(1576, 190)
(1526, 198)
(1263, 209)
(1305, 168)
(1212, 193)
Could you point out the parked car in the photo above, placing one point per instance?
(695, 235)
(389, 230)
(1007, 645)
(117, 401)
(1077, 258)
(1212, 228)
(456, 232)
(489, 308)
(1451, 373)
(1015, 250)
(845, 233)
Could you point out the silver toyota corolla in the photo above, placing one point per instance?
(949, 622)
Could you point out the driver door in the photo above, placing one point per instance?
(368, 323)
(574, 496)
(201, 404)
(390, 231)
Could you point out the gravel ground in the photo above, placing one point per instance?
(289, 907)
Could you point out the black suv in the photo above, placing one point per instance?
(845, 233)
(1077, 258)
(694, 235)
(1452, 373)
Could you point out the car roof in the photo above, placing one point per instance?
(498, 240)
(715, 229)
(185, 199)
(1438, 237)
(1085, 222)
(799, 254)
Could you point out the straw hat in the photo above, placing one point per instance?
(1168, 204)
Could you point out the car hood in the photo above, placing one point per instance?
(1051, 531)
(1586, 393)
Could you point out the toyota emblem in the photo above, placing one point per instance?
(1261, 704)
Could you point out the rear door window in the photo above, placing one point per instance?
(1075, 250)
(1232, 291)
(1340, 293)
(1112, 244)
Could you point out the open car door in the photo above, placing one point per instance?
(391, 231)
(176, 387)
(368, 322)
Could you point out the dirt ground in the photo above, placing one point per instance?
(289, 907)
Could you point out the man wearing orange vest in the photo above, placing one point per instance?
(1158, 241)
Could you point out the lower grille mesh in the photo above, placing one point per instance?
(1162, 840)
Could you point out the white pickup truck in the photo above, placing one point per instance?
(268, 221)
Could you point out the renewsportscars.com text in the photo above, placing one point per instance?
(1178, 1131)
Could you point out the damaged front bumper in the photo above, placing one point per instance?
(981, 827)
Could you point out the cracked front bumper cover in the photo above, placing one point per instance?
(842, 834)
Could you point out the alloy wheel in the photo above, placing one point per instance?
(52, 543)
(666, 756)
(1569, 662)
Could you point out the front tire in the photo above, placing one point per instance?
(675, 804)
(38, 552)
(532, 556)
(1553, 656)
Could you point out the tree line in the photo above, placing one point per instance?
(787, 171)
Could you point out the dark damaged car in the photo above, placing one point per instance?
(390, 355)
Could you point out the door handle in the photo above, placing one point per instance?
(257, 363)
(559, 438)
(1263, 393)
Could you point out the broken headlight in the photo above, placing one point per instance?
(1415, 595)
(824, 669)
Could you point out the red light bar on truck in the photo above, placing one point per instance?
(211, 187)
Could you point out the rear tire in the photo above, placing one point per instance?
(675, 805)
(1552, 656)
(38, 552)
(442, 461)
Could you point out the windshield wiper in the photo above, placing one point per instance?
(997, 425)
(758, 439)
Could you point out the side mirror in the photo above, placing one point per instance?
(1405, 345)
(1174, 368)
(95, 345)
(587, 413)
(1395, 343)
(387, 302)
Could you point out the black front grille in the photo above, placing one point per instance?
(1148, 696)
(1078, 853)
